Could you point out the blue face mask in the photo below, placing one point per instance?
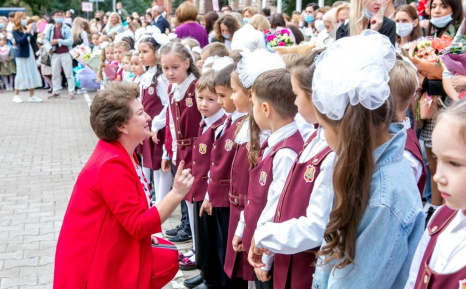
(441, 22)
(24, 22)
(2, 25)
(309, 18)
(59, 20)
(226, 36)
(246, 20)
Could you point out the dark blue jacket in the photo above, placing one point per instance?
(162, 24)
(22, 43)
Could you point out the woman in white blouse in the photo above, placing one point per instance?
(249, 36)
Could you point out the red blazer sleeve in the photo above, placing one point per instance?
(125, 198)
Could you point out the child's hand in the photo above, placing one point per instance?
(154, 137)
(238, 244)
(207, 207)
(262, 275)
(255, 255)
(165, 165)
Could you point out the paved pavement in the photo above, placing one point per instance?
(43, 147)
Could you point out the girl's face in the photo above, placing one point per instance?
(450, 150)
(174, 68)
(136, 66)
(2, 42)
(109, 54)
(303, 102)
(438, 9)
(374, 5)
(104, 19)
(119, 51)
(224, 98)
(128, 20)
(95, 39)
(330, 131)
(147, 56)
(127, 63)
(239, 96)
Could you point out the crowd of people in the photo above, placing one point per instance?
(303, 152)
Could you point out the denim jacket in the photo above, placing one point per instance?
(67, 37)
(390, 228)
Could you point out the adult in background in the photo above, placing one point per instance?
(208, 21)
(121, 11)
(247, 13)
(27, 74)
(80, 31)
(114, 24)
(407, 26)
(159, 20)
(97, 22)
(186, 15)
(225, 29)
(248, 37)
(58, 41)
(226, 9)
(106, 238)
(266, 12)
(309, 18)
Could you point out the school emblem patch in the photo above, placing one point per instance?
(189, 102)
(309, 174)
(462, 284)
(151, 90)
(228, 145)
(202, 148)
(263, 178)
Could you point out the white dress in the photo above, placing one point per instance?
(27, 74)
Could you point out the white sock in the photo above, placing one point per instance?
(162, 184)
(191, 220)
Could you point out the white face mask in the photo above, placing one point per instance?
(441, 22)
(404, 29)
(368, 14)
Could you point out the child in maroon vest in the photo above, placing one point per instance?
(305, 201)
(403, 85)
(273, 109)
(439, 261)
(183, 115)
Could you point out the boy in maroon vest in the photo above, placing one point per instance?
(403, 85)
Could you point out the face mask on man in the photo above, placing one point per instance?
(59, 20)
(404, 29)
(441, 22)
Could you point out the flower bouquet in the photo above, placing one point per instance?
(93, 60)
(454, 58)
(79, 52)
(425, 55)
(281, 38)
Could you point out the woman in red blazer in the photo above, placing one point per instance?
(105, 240)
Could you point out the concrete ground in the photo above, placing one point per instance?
(43, 147)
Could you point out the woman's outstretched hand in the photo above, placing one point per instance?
(183, 180)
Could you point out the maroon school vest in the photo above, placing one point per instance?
(186, 118)
(221, 158)
(201, 159)
(259, 182)
(236, 264)
(426, 277)
(412, 145)
(295, 271)
(152, 152)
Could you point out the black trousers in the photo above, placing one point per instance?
(264, 285)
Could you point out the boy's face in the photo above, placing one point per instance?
(224, 98)
(118, 53)
(95, 40)
(259, 113)
(207, 102)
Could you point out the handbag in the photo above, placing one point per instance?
(45, 59)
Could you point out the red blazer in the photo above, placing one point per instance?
(105, 239)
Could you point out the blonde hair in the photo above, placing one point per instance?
(260, 22)
(290, 59)
(206, 81)
(109, 22)
(103, 57)
(123, 44)
(457, 111)
(251, 10)
(403, 85)
(77, 29)
(356, 17)
(190, 41)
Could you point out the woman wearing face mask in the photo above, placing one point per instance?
(367, 14)
(308, 28)
(247, 13)
(407, 26)
(225, 28)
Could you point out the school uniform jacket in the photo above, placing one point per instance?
(105, 238)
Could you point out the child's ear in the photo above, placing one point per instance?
(250, 94)
(186, 63)
(266, 108)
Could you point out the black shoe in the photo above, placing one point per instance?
(181, 237)
(429, 214)
(173, 232)
(50, 90)
(194, 281)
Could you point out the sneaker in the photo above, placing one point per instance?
(181, 237)
(35, 99)
(173, 232)
(17, 99)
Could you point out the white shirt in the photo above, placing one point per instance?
(304, 127)
(281, 166)
(209, 121)
(179, 90)
(415, 164)
(159, 121)
(249, 38)
(307, 232)
(449, 252)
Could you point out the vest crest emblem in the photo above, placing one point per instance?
(228, 145)
(202, 148)
(151, 90)
(189, 102)
(309, 174)
(263, 178)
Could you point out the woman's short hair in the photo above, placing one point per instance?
(230, 22)
(110, 109)
(277, 20)
(260, 22)
(185, 12)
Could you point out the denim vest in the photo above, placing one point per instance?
(390, 227)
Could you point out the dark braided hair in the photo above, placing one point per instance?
(154, 46)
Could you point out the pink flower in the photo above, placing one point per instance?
(281, 43)
(267, 31)
(285, 31)
(271, 37)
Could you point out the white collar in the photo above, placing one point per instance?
(459, 222)
(236, 115)
(179, 90)
(209, 121)
(407, 123)
(146, 78)
(282, 133)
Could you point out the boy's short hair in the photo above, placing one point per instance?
(223, 77)
(206, 81)
(403, 84)
(291, 59)
(274, 87)
(215, 48)
(236, 55)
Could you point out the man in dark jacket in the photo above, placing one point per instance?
(159, 20)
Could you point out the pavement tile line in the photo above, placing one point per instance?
(43, 147)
